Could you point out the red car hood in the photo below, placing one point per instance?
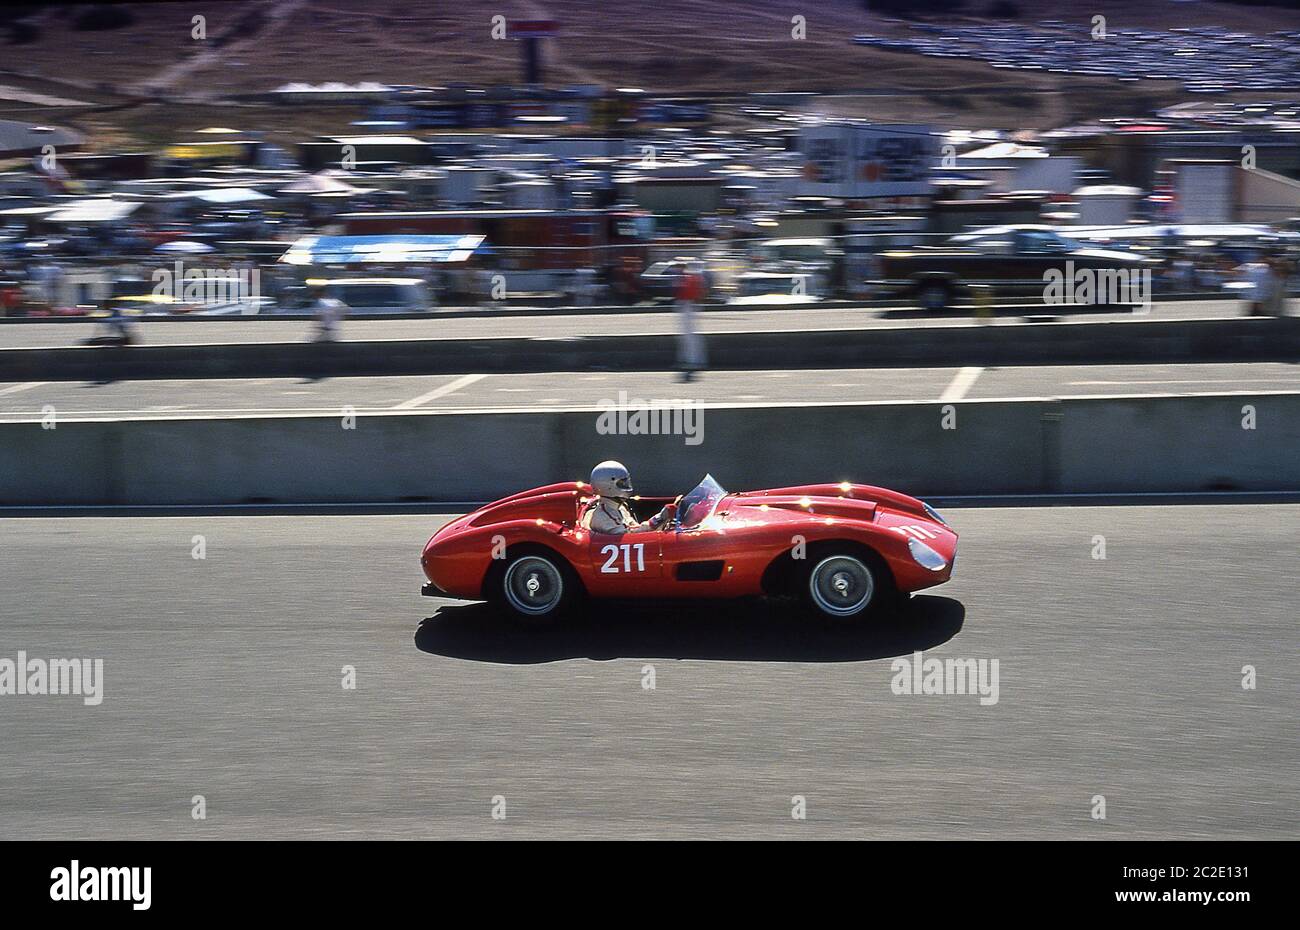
(853, 501)
(843, 507)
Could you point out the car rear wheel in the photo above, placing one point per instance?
(535, 588)
(842, 587)
(935, 295)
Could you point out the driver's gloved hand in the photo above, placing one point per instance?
(666, 515)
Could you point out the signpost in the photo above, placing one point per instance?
(530, 32)
(860, 162)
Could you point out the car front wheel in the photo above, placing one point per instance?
(535, 588)
(842, 587)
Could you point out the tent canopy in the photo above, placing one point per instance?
(328, 181)
(221, 195)
(94, 211)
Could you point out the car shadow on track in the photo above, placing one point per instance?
(762, 631)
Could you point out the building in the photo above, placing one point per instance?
(22, 140)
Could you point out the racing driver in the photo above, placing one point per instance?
(612, 515)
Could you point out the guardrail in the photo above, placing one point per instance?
(1127, 340)
(1150, 443)
(511, 307)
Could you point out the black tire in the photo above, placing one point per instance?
(934, 295)
(534, 586)
(846, 585)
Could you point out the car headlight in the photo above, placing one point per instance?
(933, 514)
(925, 556)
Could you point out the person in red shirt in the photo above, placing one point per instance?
(691, 356)
(11, 297)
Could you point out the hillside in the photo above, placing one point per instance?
(106, 78)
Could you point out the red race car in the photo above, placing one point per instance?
(845, 549)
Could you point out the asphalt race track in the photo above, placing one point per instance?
(1118, 677)
(222, 397)
(544, 324)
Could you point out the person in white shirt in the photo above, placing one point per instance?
(1256, 275)
(328, 310)
(611, 514)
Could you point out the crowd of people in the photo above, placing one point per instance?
(1262, 278)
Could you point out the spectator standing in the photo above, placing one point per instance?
(118, 329)
(1278, 272)
(11, 295)
(47, 278)
(691, 351)
(584, 286)
(329, 311)
(1258, 276)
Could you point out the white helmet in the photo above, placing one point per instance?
(611, 479)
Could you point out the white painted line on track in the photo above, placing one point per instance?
(960, 384)
(16, 388)
(463, 381)
(1278, 380)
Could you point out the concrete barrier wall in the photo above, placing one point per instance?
(1198, 442)
(1111, 445)
(1122, 340)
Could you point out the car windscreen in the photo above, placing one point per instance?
(369, 295)
(759, 287)
(991, 245)
(795, 253)
(697, 506)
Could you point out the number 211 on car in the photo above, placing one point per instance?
(611, 564)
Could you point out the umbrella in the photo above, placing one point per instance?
(221, 195)
(329, 181)
(182, 247)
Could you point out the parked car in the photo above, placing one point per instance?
(821, 259)
(1008, 259)
(769, 287)
(382, 295)
(231, 296)
(660, 281)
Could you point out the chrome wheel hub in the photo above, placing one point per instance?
(841, 585)
(533, 585)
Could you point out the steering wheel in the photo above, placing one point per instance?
(670, 513)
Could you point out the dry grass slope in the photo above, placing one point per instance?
(687, 46)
